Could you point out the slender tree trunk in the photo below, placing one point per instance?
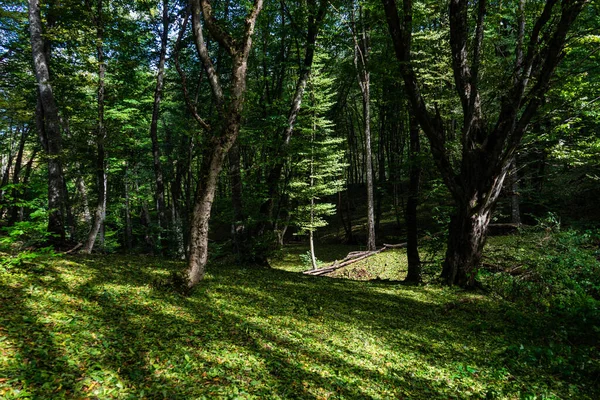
(361, 60)
(87, 216)
(513, 186)
(412, 249)
(14, 213)
(101, 174)
(311, 233)
(48, 125)
(128, 227)
(158, 173)
(238, 226)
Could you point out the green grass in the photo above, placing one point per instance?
(388, 265)
(81, 327)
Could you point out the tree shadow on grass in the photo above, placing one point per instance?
(245, 332)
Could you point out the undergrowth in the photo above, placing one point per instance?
(96, 327)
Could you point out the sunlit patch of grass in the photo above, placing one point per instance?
(86, 327)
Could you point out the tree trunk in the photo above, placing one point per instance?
(315, 20)
(87, 216)
(513, 187)
(158, 173)
(17, 173)
(128, 227)
(238, 226)
(101, 174)
(207, 186)
(48, 125)
(467, 235)
(361, 57)
(223, 137)
(412, 249)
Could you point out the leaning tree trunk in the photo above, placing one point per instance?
(207, 186)
(225, 134)
(48, 125)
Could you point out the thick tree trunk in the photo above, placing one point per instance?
(48, 125)
(223, 137)
(158, 173)
(198, 254)
(412, 248)
(467, 235)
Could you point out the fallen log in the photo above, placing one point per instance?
(351, 258)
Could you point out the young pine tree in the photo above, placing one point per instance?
(319, 164)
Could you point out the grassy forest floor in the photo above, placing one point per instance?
(97, 327)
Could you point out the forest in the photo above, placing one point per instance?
(317, 199)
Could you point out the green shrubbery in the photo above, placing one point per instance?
(550, 270)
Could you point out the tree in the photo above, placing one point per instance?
(224, 132)
(158, 92)
(361, 62)
(48, 124)
(101, 173)
(316, 16)
(489, 136)
(319, 168)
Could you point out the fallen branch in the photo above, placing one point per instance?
(351, 258)
(74, 248)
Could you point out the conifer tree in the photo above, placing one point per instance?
(319, 168)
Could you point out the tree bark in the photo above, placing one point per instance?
(158, 173)
(487, 147)
(467, 236)
(361, 61)
(101, 175)
(223, 137)
(412, 233)
(17, 172)
(48, 125)
(515, 198)
(238, 226)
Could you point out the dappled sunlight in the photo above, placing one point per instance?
(86, 328)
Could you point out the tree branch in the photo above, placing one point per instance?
(183, 77)
(202, 50)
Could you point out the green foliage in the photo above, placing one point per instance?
(319, 165)
(29, 233)
(94, 327)
(552, 271)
